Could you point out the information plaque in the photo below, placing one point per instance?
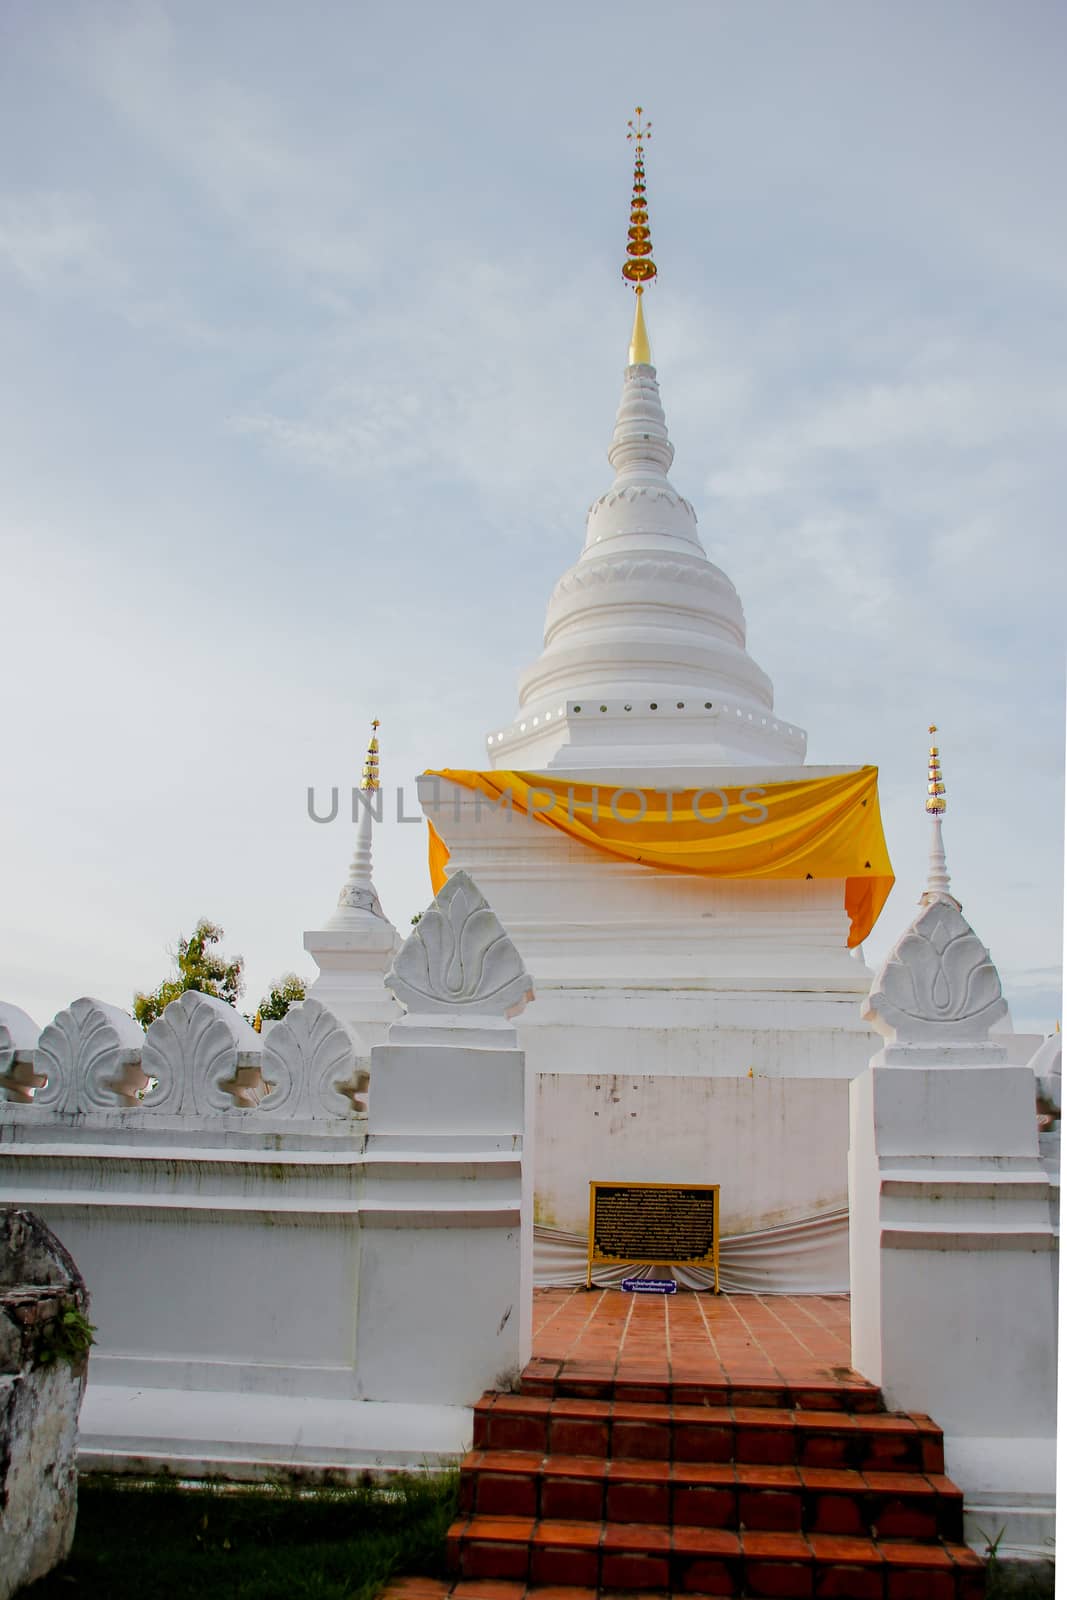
(673, 1224)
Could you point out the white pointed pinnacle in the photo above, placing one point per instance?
(937, 876)
(359, 898)
(361, 866)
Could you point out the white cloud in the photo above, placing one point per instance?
(52, 239)
(223, 137)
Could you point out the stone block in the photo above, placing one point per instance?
(39, 1402)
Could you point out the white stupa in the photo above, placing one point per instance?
(644, 660)
(703, 1026)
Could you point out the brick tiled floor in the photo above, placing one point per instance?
(693, 1338)
(694, 1445)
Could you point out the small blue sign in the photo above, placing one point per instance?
(649, 1286)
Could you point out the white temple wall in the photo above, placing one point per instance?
(223, 1257)
(281, 1280)
(189, 1299)
(778, 1148)
(678, 1036)
(442, 1307)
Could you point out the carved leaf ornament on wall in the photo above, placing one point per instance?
(939, 979)
(310, 1061)
(191, 1053)
(199, 1058)
(89, 1056)
(460, 958)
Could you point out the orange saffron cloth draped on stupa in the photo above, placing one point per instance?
(816, 828)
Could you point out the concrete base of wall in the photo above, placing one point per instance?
(255, 1438)
(1009, 1494)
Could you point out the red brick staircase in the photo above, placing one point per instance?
(806, 1490)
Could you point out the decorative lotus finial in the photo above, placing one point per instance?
(370, 766)
(639, 267)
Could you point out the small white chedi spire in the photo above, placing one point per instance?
(938, 980)
(355, 946)
(937, 878)
(359, 898)
(644, 660)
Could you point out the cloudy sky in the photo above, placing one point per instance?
(312, 333)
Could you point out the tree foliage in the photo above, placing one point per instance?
(200, 966)
(285, 991)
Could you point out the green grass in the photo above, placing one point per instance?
(1018, 1580)
(270, 1544)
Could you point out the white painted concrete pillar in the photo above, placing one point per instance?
(952, 1242)
(446, 1280)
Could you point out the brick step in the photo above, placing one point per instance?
(710, 1561)
(558, 1380)
(764, 1435)
(783, 1499)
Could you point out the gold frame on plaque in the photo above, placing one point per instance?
(710, 1259)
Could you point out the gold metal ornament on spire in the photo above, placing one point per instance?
(935, 788)
(369, 782)
(639, 267)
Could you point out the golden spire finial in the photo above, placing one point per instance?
(639, 267)
(935, 788)
(370, 766)
(938, 881)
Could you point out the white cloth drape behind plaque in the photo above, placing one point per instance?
(805, 1257)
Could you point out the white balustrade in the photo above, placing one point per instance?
(200, 1059)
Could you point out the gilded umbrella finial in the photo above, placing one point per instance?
(639, 267)
(935, 788)
(370, 766)
(938, 881)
